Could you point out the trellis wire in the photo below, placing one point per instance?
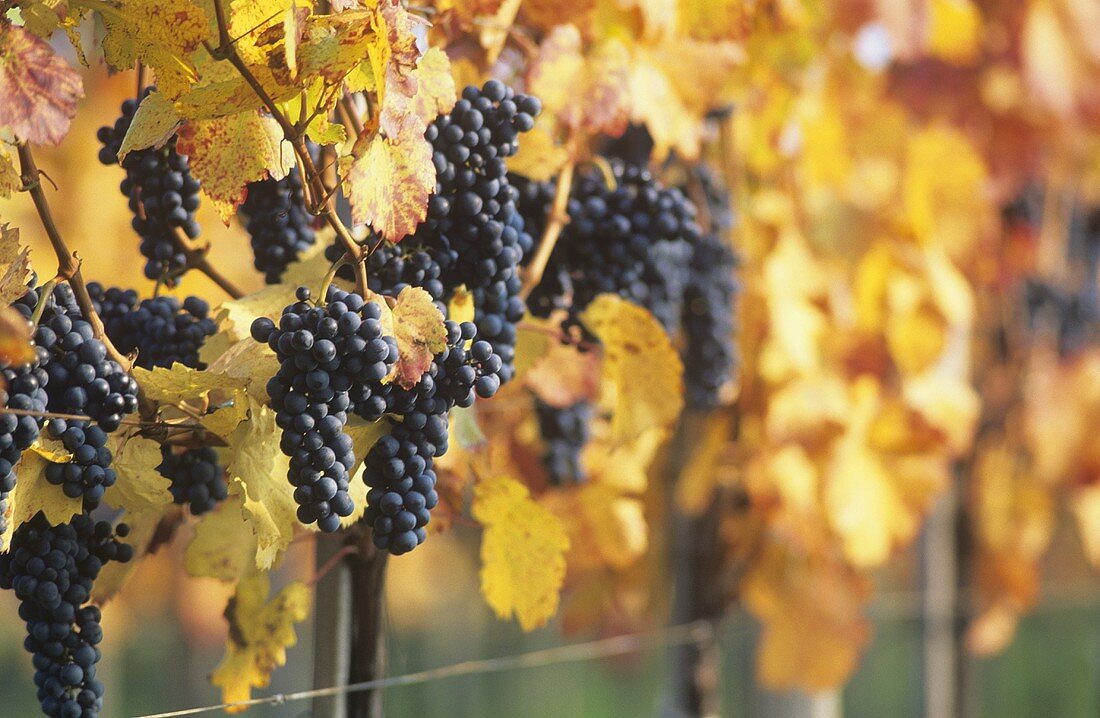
(695, 632)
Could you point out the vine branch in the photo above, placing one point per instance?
(555, 224)
(68, 264)
(197, 259)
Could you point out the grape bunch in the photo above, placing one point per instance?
(709, 354)
(473, 235)
(399, 466)
(80, 380)
(197, 477)
(635, 240)
(324, 351)
(564, 432)
(163, 195)
(52, 570)
(160, 330)
(274, 213)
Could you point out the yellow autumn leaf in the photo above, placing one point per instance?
(793, 281)
(229, 152)
(531, 345)
(461, 307)
(224, 545)
(416, 95)
(1086, 509)
(10, 181)
(388, 185)
(699, 477)
(15, 266)
(15, 337)
(172, 385)
(153, 124)
(615, 528)
(1053, 71)
(140, 488)
(862, 500)
(623, 466)
(256, 25)
(418, 327)
(640, 363)
(656, 103)
(944, 208)
(255, 462)
(33, 493)
(522, 552)
(159, 33)
(251, 365)
(42, 17)
(539, 158)
(260, 631)
(916, 339)
(808, 409)
(333, 47)
(584, 89)
(716, 19)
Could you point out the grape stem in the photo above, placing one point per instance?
(43, 299)
(555, 223)
(335, 560)
(68, 264)
(197, 259)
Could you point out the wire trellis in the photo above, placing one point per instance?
(697, 632)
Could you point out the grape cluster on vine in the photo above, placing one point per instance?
(324, 352)
(399, 467)
(564, 431)
(473, 235)
(161, 330)
(51, 570)
(280, 227)
(197, 477)
(162, 192)
(641, 240)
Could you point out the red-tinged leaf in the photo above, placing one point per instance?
(393, 57)
(229, 152)
(389, 185)
(420, 333)
(38, 89)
